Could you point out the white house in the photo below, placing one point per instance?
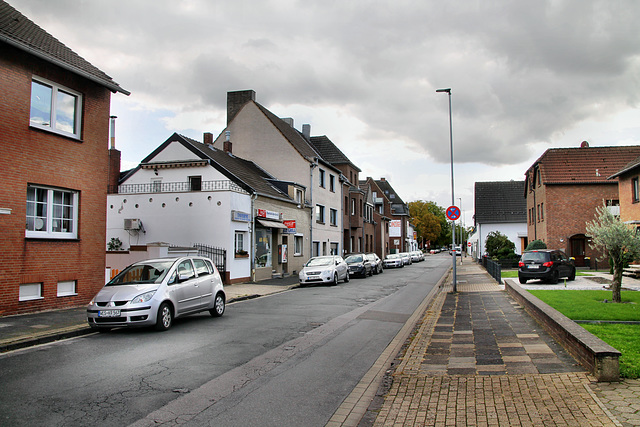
(256, 134)
(187, 193)
(499, 206)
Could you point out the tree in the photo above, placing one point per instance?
(536, 244)
(425, 220)
(499, 246)
(617, 241)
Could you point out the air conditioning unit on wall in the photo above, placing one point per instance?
(132, 224)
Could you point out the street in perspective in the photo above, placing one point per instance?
(286, 359)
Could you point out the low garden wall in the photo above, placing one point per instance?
(595, 355)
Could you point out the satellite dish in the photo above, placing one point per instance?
(584, 144)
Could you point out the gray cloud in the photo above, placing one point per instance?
(521, 72)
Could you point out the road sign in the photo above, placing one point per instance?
(453, 213)
(469, 244)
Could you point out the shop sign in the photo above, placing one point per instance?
(263, 213)
(291, 226)
(395, 228)
(240, 216)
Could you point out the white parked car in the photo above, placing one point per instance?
(416, 256)
(157, 291)
(324, 269)
(392, 261)
(406, 257)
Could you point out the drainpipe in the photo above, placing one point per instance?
(254, 196)
(313, 165)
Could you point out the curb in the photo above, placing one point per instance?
(85, 329)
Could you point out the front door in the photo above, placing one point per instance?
(577, 245)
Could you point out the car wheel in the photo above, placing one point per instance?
(165, 317)
(346, 278)
(218, 306)
(335, 280)
(522, 280)
(573, 275)
(554, 278)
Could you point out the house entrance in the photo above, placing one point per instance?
(577, 245)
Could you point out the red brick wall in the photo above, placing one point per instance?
(629, 211)
(31, 156)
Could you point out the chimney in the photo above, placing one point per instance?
(226, 146)
(306, 131)
(207, 137)
(236, 100)
(114, 161)
(288, 120)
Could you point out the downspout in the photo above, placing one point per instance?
(311, 167)
(254, 196)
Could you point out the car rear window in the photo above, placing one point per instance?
(535, 256)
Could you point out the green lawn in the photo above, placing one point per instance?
(589, 305)
(510, 274)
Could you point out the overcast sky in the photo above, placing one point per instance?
(525, 77)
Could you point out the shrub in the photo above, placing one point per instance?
(536, 244)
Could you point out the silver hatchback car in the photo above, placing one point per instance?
(156, 291)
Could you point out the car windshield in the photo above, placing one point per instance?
(353, 258)
(152, 272)
(393, 256)
(319, 261)
(534, 256)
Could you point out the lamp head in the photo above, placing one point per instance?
(448, 90)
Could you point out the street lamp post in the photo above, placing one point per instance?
(453, 199)
(462, 247)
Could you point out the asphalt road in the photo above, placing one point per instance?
(286, 359)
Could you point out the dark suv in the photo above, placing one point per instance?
(546, 264)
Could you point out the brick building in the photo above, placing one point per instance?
(564, 187)
(54, 122)
(629, 192)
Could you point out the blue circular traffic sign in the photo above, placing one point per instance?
(453, 213)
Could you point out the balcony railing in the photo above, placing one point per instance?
(180, 187)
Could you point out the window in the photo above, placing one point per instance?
(195, 183)
(238, 245)
(156, 185)
(333, 217)
(298, 196)
(297, 245)
(55, 108)
(186, 269)
(332, 183)
(635, 197)
(202, 268)
(316, 248)
(541, 211)
(353, 206)
(51, 213)
(67, 288)
(321, 178)
(319, 213)
(30, 291)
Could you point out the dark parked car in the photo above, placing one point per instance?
(376, 263)
(359, 265)
(549, 265)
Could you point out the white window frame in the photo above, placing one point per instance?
(238, 241)
(53, 126)
(48, 232)
(635, 190)
(320, 213)
(67, 288)
(298, 245)
(30, 292)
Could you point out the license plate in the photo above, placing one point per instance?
(313, 277)
(109, 313)
(532, 266)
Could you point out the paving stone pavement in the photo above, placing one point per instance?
(476, 358)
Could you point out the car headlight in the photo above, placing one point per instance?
(143, 298)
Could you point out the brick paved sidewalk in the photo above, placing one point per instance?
(477, 359)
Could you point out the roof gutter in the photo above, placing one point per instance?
(112, 86)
